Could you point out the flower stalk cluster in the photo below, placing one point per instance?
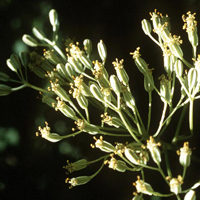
(76, 81)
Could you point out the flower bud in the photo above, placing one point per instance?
(128, 99)
(46, 134)
(38, 33)
(190, 195)
(175, 184)
(131, 156)
(61, 70)
(30, 41)
(103, 145)
(86, 127)
(75, 64)
(53, 18)
(148, 85)
(10, 65)
(118, 165)
(5, 90)
(24, 57)
(95, 90)
(87, 46)
(146, 26)
(76, 166)
(185, 155)
(179, 68)
(82, 101)
(154, 150)
(65, 109)
(60, 92)
(192, 79)
(143, 187)
(49, 101)
(81, 180)
(70, 71)
(115, 84)
(4, 77)
(86, 61)
(102, 50)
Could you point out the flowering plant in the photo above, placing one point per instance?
(75, 81)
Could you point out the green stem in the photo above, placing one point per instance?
(167, 163)
(161, 120)
(184, 172)
(98, 159)
(128, 128)
(149, 113)
(114, 134)
(174, 140)
(191, 116)
(71, 135)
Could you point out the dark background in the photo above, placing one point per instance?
(30, 167)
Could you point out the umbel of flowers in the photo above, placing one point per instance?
(75, 81)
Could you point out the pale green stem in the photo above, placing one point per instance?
(112, 129)
(175, 139)
(76, 109)
(194, 48)
(161, 120)
(149, 113)
(186, 62)
(162, 173)
(177, 196)
(114, 134)
(71, 135)
(184, 172)
(87, 115)
(128, 128)
(18, 88)
(154, 40)
(167, 163)
(163, 195)
(88, 76)
(136, 119)
(191, 116)
(98, 159)
(92, 176)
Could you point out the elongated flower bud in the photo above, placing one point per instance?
(46, 134)
(53, 18)
(143, 187)
(103, 145)
(38, 33)
(154, 150)
(86, 61)
(185, 155)
(131, 156)
(192, 78)
(118, 165)
(61, 70)
(102, 50)
(30, 41)
(175, 184)
(81, 180)
(146, 26)
(5, 90)
(24, 57)
(95, 90)
(179, 68)
(190, 195)
(76, 166)
(115, 84)
(87, 46)
(4, 77)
